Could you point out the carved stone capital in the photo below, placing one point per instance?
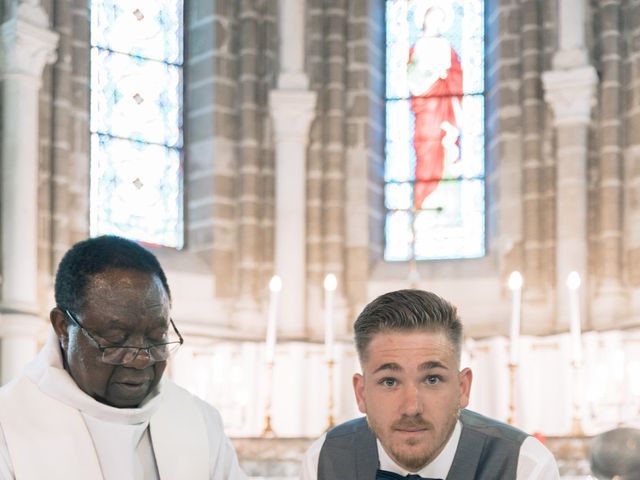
(27, 44)
(292, 112)
(571, 94)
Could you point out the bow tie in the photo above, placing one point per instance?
(384, 475)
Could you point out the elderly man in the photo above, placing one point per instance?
(414, 394)
(92, 405)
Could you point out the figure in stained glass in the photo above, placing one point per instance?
(434, 153)
(434, 78)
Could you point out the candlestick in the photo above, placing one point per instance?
(513, 367)
(573, 283)
(330, 284)
(515, 285)
(275, 285)
(330, 402)
(267, 429)
(575, 331)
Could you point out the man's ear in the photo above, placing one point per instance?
(60, 325)
(465, 386)
(358, 389)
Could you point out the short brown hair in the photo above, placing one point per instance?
(407, 310)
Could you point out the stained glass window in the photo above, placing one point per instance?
(136, 120)
(434, 165)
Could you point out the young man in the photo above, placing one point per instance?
(93, 404)
(414, 394)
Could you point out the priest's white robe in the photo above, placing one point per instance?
(49, 428)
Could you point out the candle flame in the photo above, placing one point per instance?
(275, 284)
(573, 281)
(515, 281)
(330, 282)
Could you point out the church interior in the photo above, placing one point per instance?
(272, 155)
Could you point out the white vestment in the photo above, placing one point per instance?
(49, 428)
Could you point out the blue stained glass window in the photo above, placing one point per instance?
(136, 120)
(434, 155)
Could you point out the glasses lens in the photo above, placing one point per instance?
(119, 355)
(162, 352)
(125, 355)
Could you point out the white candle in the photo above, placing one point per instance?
(515, 285)
(330, 284)
(573, 283)
(275, 285)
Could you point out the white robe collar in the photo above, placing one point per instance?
(48, 373)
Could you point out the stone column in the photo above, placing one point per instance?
(631, 163)
(249, 169)
(27, 45)
(571, 39)
(610, 301)
(532, 168)
(316, 64)
(292, 109)
(291, 18)
(334, 157)
(569, 89)
(326, 159)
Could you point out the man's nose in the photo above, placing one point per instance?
(411, 400)
(142, 360)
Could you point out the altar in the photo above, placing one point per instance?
(547, 394)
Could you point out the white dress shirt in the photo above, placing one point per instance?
(535, 462)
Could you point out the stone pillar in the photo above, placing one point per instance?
(571, 39)
(532, 168)
(364, 154)
(249, 169)
(569, 89)
(291, 19)
(292, 112)
(631, 164)
(334, 157)
(610, 301)
(27, 45)
(326, 159)
(292, 109)
(316, 64)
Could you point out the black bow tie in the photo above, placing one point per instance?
(384, 475)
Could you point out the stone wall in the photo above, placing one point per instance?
(63, 177)
(231, 65)
(230, 68)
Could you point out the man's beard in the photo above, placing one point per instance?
(404, 452)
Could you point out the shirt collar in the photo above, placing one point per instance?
(438, 468)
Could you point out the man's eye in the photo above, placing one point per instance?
(432, 379)
(158, 336)
(388, 382)
(114, 339)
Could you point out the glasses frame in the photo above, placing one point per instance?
(74, 318)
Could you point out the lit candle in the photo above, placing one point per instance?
(330, 284)
(515, 285)
(573, 283)
(275, 285)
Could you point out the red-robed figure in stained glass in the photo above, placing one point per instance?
(434, 78)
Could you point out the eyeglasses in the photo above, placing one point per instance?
(125, 354)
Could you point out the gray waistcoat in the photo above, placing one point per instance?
(488, 450)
